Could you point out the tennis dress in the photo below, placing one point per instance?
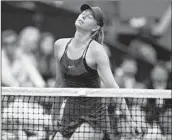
(77, 110)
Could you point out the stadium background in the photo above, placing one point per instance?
(119, 34)
(138, 50)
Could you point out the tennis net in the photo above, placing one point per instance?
(46, 113)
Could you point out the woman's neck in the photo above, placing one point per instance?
(81, 38)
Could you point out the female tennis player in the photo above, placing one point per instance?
(81, 63)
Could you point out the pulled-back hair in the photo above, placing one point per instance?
(98, 35)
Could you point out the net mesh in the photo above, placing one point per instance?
(50, 114)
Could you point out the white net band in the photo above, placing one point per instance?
(88, 92)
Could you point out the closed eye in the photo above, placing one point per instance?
(83, 13)
(90, 17)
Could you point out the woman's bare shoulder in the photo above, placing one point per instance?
(99, 54)
(60, 42)
(59, 46)
(97, 48)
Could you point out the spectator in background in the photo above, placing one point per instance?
(17, 67)
(9, 45)
(51, 81)
(165, 119)
(125, 74)
(29, 39)
(158, 80)
(9, 37)
(161, 80)
(159, 77)
(45, 55)
(143, 50)
(168, 66)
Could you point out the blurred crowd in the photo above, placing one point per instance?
(28, 61)
(27, 58)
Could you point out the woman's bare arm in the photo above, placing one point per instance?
(105, 73)
(57, 48)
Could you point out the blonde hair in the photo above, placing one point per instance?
(98, 35)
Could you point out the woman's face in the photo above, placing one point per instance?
(86, 21)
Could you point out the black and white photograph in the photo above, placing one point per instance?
(86, 70)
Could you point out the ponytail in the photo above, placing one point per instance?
(98, 35)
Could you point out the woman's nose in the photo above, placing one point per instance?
(83, 16)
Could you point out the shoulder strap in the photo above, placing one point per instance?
(85, 51)
(67, 45)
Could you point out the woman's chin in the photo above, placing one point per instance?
(77, 24)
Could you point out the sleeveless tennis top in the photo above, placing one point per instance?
(76, 72)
